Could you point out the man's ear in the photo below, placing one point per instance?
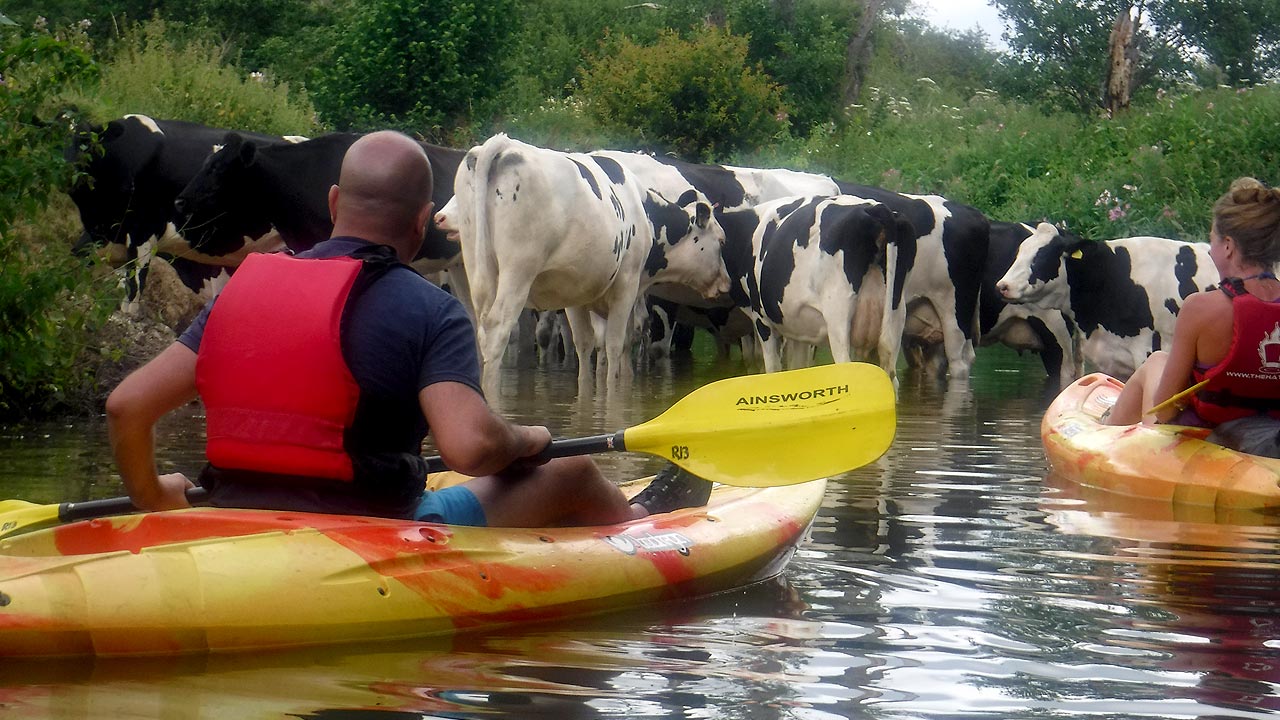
(424, 219)
(333, 204)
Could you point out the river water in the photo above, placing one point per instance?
(953, 578)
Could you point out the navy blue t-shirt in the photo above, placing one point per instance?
(400, 335)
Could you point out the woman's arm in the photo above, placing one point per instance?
(1197, 310)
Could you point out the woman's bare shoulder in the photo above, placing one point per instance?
(1206, 301)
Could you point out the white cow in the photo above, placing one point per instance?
(1123, 294)
(822, 269)
(556, 230)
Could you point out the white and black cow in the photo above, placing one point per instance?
(951, 242)
(671, 327)
(1123, 294)
(558, 230)
(1027, 326)
(946, 274)
(133, 169)
(253, 190)
(727, 188)
(821, 269)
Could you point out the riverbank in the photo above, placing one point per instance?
(128, 339)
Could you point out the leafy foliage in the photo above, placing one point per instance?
(159, 71)
(415, 66)
(1154, 171)
(1239, 37)
(43, 311)
(697, 97)
(253, 27)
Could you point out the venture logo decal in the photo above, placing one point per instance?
(650, 543)
(827, 394)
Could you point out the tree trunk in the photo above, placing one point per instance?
(1124, 57)
(858, 52)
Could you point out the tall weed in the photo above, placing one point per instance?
(157, 69)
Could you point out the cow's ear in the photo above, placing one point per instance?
(702, 215)
(248, 152)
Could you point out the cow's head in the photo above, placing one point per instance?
(448, 219)
(217, 210)
(109, 160)
(1038, 272)
(688, 245)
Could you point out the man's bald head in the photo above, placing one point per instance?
(384, 189)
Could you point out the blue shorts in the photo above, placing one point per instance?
(455, 505)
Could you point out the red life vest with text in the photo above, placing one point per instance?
(278, 394)
(1247, 381)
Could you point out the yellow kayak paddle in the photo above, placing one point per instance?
(750, 431)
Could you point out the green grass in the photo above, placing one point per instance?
(1154, 171)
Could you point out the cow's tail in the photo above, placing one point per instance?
(486, 270)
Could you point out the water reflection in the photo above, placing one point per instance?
(951, 578)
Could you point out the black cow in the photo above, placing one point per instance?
(250, 189)
(131, 175)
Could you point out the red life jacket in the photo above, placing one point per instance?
(278, 394)
(1247, 381)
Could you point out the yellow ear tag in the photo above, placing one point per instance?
(1076, 255)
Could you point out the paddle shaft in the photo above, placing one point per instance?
(569, 447)
(1176, 399)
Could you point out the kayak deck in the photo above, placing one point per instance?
(214, 580)
(1166, 463)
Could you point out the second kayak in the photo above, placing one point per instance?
(1162, 463)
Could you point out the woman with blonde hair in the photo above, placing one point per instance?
(1228, 336)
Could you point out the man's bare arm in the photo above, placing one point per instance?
(149, 393)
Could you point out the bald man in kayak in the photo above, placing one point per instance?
(321, 374)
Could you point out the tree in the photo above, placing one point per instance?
(415, 65)
(1060, 51)
(1241, 37)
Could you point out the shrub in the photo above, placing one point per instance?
(697, 97)
(46, 305)
(415, 66)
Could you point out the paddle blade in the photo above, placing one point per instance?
(17, 516)
(776, 429)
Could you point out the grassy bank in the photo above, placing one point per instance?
(1155, 170)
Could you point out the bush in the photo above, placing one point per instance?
(160, 70)
(415, 66)
(47, 308)
(696, 97)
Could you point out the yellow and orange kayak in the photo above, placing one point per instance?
(219, 580)
(1154, 463)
